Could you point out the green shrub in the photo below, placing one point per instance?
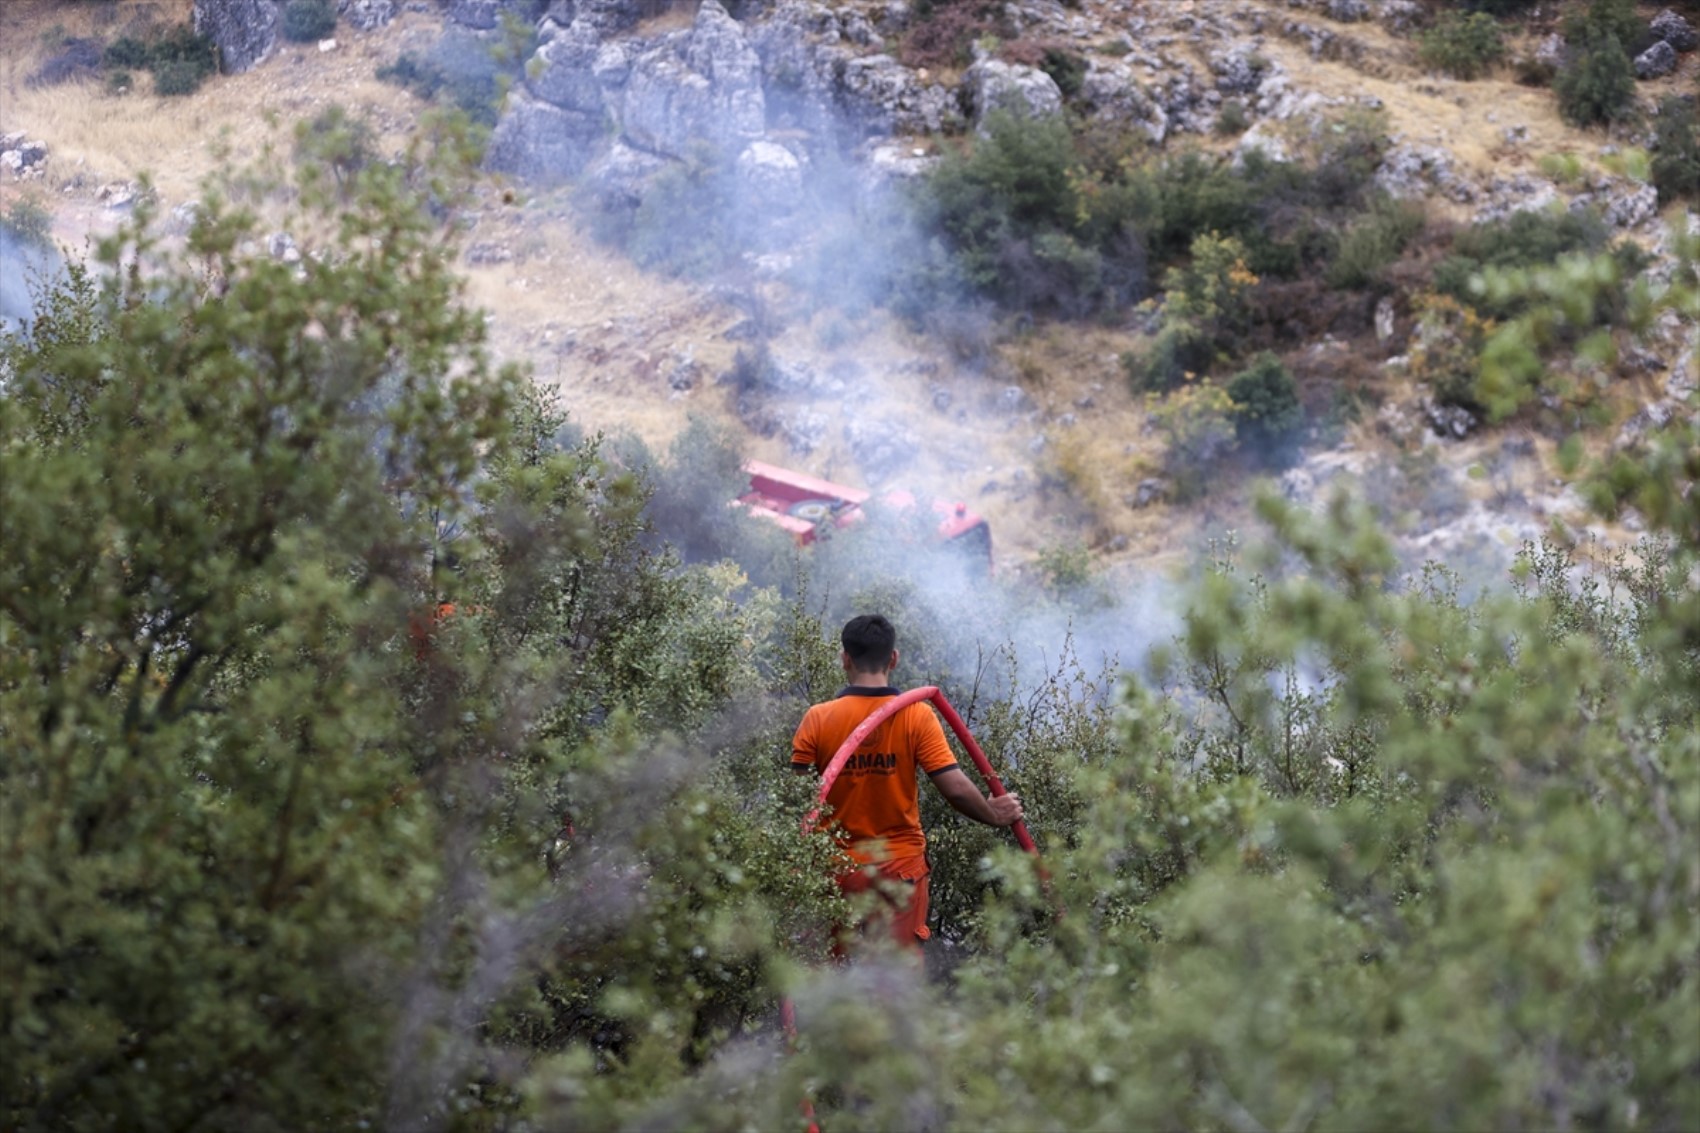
(1596, 86)
(1463, 46)
(1608, 19)
(1676, 160)
(1196, 422)
(1267, 413)
(1373, 243)
(177, 77)
(129, 52)
(1066, 69)
(1524, 239)
(29, 222)
(334, 141)
(1179, 351)
(1232, 118)
(305, 21)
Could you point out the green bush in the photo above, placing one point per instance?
(1463, 46)
(1267, 413)
(1596, 86)
(305, 21)
(128, 52)
(29, 222)
(1524, 239)
(1232, 118)
(177, 77)
(1373, 243)
(1066, 69)
(1676, 160)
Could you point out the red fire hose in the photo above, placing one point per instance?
(788, 1013)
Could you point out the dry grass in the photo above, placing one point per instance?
(95, 137)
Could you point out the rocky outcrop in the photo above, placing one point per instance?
(22, 157)
(244, 31)
(1676, 31)
(541, 142)
(700, 87)
(1656, 62)
(992, 85)
(367, 15)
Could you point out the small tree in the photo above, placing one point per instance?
(1597, 85)
(1267, 413)
(307, 20)
(1463, 46)
(1676, 162)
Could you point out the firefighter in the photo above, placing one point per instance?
(875, 801)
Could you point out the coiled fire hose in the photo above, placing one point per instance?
(788, 1012)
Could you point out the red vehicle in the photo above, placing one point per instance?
(809, 508)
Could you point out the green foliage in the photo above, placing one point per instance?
(29, 222)
(1607, 19)
(305, 21)
(1675, 166)
(1596, 85)
(464, 72)
(1463, 46)
(1447, 349)
(1196, 422)
(1205, 316)
(1524, 239)
(1566, 308)
(333, 141)
(1232, 118)
(1267, 413)
(1372, 244)
(1066, 69)
(179, 59)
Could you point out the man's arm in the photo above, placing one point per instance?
(961, 793)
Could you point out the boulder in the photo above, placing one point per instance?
(1633, 207)
(1416, 171)
(244, 31)
(878, 95)
(1238, 70)
(606, 16)
(1111, 94)
(770, 176)
(486, 15)
(881, 447)
(994, 85)
(704, 87)
(1676, 31)
(563, 72)
(539, 142)
(1656, 62)
(367, 15)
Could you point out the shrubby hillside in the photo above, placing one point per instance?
(388, 741)
(363, 765)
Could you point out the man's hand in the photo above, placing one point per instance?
(960, 792)
(1006, 809)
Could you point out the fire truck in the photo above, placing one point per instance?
(811, 508)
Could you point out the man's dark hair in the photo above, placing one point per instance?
(869, 640)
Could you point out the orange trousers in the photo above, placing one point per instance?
(902, 914)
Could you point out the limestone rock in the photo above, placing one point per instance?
(1633, 208)
(540, 142)
(1676, 31)
(770, 176)
(994, 85)
(367, 15)
(1415, 171)
(1656, 62)
(1110, 93)
(564, 69)
(1238, 70)
(607, 17)
(244, 31)
(702, 87)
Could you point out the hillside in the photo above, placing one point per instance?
(1031, 421)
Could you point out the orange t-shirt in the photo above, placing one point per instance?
(876, 798)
